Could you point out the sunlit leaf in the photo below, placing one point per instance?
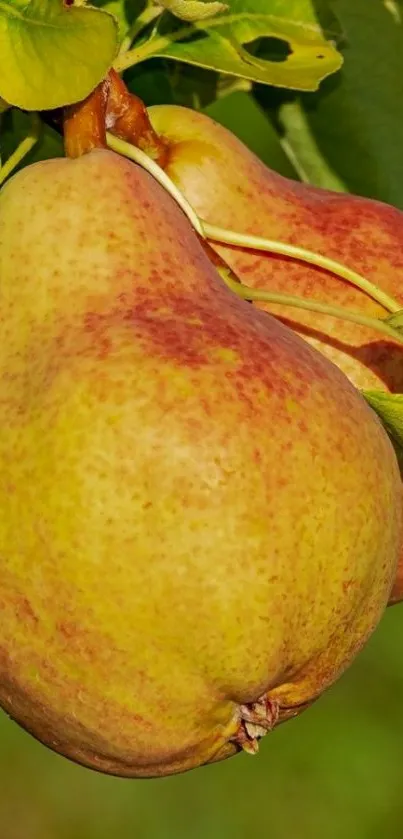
(52, 54)
(278, 42)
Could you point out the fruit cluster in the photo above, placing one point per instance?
(200, 514)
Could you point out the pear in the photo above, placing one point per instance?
(200, 516)
(230, 187)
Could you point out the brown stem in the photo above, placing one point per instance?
(127, 118)
(84, 123)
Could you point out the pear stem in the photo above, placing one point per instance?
(140, 157)
(127, 117)
(231, 237)
(84, 123)
(22, 149)
(311, 305)
(228, 275)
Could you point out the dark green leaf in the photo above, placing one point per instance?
(389, 407)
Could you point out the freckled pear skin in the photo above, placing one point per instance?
(230, 187)
(196, 508)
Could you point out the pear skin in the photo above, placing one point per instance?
(230, 187)
(200, 515)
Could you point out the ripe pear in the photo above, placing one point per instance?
(200, 516)
(230, 187)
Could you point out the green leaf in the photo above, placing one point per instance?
(396, 320)
(120, 10)
(355, 120)
(277, 42)
(125, 13)
(51, 54)
(389, 407)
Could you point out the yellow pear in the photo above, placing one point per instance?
(199, 514)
